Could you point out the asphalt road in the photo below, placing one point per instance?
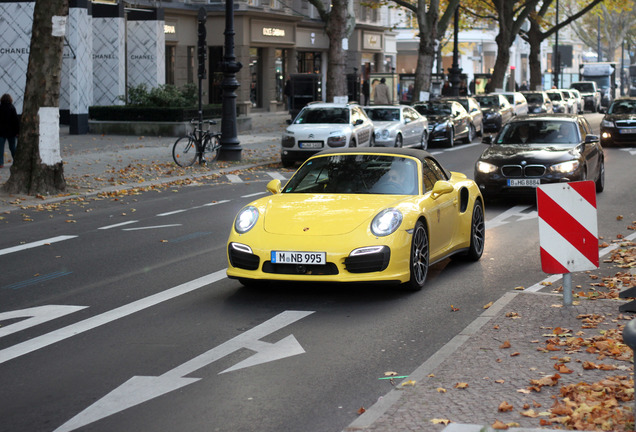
(116, 313)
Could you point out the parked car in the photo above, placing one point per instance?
(321, 125)
(618, 126)
(538, 102)
(570, 100)
(473, 109)
(358, 215)
(559, 104)
(447, 121)
(591, 94)
(579, 100)
(497, 111)
(537, 149)
(518, 102)
(398, 126)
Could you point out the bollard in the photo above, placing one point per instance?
(629, 337)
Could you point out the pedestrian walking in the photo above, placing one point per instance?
(9, 126)
(381, 94)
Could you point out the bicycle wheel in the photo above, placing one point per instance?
(184, 151)
(212, 147)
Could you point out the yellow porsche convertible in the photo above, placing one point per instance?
(358, 215)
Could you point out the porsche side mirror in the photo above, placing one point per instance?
(440, 188)
(274, 186)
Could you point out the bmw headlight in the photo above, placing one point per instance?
(386, 222)
(485, 167)
(565, 167)
(607, 123)
(246, 219)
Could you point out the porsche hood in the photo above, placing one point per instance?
(323, 215)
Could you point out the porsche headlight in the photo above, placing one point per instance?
(386, 222)
(485, 167)
(246, 219)
(565, 167)
(607, 123)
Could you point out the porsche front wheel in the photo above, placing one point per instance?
(477, 233)
(419, 258)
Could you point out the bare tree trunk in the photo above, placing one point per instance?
(337, 31)
(534, 39)
(37, 168)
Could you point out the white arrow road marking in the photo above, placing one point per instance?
(253, 195)
(34, 316)
(140, 389)
(516, 211)
(193, 208)
(118, 225)
(107, 317)
(36, 244)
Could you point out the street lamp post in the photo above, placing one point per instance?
(455, 70)
(557, 58)
(230, 146)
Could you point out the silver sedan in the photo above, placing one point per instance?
(398, 126)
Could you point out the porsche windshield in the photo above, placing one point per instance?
(356, 174)
(539, 132)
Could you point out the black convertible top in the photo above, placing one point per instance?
(397, 151)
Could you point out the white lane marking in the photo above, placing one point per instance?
(107, 317)
(253, 195)
(192, 208)
(118, 225)
(151, 227)
(234, 178)
(631, 151)
(36, 244)
(276, 175)
(140, 389)
(516, 211)
(34, 316)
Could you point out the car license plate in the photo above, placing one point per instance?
(310, 144)
(524, 182)
(627, 131)
(296, 257)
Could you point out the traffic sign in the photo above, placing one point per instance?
(568, 230)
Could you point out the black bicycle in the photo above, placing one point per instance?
(201, 144)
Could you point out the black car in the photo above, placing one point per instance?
(473, 109)
(537, 149)
(447, 121)
(497, 111)
(618, 127)
(538, 102)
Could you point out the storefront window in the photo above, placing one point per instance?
(191, 68)
(255, 72)
(309, 62)
(281, 73)
(171, 51)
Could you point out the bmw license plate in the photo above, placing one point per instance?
(310, 144)
(524, 182)
(296, 257)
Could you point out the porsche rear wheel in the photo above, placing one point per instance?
(419, 258)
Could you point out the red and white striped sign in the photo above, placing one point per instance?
(568, 230)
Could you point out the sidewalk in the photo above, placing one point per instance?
(105, 163)
(528, 363)
(522, 355)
